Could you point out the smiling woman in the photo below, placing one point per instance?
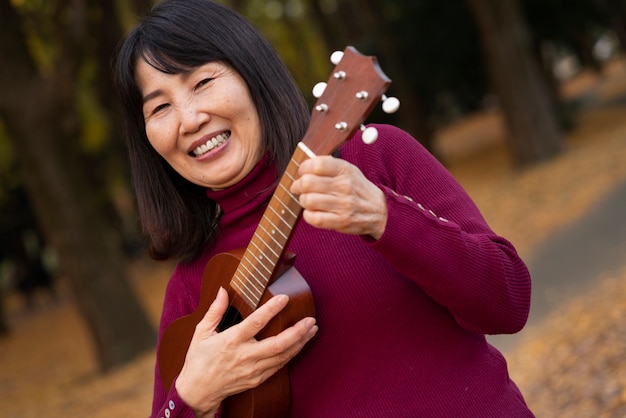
(406, 275)
(202, 122)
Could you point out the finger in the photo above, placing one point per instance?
(312, 183)
(350, 215)
(325, 220)
(346, 184)
(329, 175)
(283, 347)
(258, 319)
(323, 165)
(208, 324)
(329, 202)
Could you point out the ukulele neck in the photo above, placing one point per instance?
(267, 247)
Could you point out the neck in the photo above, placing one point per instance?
(267, 247)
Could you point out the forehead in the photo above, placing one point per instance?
(146, 76)
(147, 67)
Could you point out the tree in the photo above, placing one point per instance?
(517, 79)
(38, 103)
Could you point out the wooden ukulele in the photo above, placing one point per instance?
(351, 93)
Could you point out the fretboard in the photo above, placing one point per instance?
(270, 239)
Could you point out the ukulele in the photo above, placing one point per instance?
(263, 269)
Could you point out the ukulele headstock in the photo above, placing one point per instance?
(356, 85)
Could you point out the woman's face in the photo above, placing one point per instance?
(203, 123)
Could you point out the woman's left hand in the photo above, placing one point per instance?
(336, 195)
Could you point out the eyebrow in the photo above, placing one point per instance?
(151, 95)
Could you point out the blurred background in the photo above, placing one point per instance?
(523, 100)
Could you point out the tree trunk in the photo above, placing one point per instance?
(39, 115)
(524, 97)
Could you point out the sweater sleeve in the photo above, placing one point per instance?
(178, 302)
(173, 407)
(436, 236)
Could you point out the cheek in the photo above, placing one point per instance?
(157, 136)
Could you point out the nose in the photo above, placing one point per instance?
(192, 118)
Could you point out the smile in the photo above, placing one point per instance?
(211, 143)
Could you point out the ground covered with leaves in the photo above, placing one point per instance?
(570, 364)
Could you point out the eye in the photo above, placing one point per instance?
(203, 82)
(159, 108)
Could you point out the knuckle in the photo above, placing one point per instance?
(257, 322)
(284, 357)
(229, 342)
(303, 199)
(257, 379)
(306, 182)
(277, 347)
(312, 218)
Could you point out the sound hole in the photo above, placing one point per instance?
(231, 317)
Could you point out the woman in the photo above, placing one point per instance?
(407, 276)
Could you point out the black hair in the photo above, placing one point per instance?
(176, 36)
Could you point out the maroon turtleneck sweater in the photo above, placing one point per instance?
(402, 319)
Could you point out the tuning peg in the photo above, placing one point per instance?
(318, 89)
(370, 135)
(390, 104)
(340, 75)
(336, 57)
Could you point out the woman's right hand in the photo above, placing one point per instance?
(221, 364)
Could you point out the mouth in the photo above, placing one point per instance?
(210, 144)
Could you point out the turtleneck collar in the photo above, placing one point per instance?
(244, 197)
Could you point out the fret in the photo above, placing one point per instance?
(251, 273)
(288, 174)
(252, 292)
(263, 228)
(295, 199)
(277, 228)
(242, 293)
(261, 258)
(243, 284)
(287, 208)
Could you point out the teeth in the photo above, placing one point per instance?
(211, 143)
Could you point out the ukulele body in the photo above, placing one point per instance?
(271, 398)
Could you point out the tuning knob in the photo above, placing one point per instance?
(370, 135)
(318, 89)
(390, 104)
(336, 57)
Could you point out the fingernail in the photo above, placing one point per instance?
(282, 299)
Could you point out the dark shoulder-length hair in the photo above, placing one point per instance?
(176, 36)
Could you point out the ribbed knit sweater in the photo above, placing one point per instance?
(401, 319)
